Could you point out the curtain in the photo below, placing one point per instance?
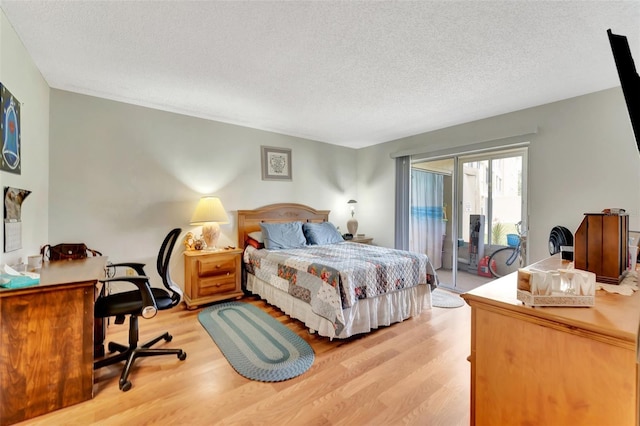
(403, 179)
(427, 227)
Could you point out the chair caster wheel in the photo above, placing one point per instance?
(168, 338)
(125, 386)
(182, 356)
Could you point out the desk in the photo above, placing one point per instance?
(552, 365)
(46, 340)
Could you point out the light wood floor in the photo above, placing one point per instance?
(414, 372)
(465, 281)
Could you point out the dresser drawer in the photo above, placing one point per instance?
(220, 265)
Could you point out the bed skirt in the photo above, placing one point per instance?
(364, 316)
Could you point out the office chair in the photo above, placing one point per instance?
(145, 302)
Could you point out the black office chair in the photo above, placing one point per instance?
(145, 302)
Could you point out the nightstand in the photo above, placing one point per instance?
(211, 276)
(362, 239)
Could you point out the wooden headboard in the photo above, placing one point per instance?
(249, 220)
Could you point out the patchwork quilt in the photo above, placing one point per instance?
(335, 276)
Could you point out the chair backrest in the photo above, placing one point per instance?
(164, 256)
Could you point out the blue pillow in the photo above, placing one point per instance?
(283, 235)
(321, 233)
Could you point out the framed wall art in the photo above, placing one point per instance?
(10, 160)
(276, 163)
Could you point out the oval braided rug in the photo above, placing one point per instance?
(444, 299)
(256, 345)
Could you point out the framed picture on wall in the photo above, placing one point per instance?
(10, 161)
(276, 163)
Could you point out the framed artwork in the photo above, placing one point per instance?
(10, 132)
(276, 163)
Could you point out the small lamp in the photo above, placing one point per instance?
(352, 224)
(210, 214)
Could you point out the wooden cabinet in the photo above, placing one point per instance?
(210, 276)
(552, 365)
(600, 246)
(46, 340)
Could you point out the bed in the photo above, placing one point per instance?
(336, 288)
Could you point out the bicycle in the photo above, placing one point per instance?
(503, 261)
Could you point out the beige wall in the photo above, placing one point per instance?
(582, 159)
(20, 76)
(122, 176)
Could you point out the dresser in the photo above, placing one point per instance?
(211, 276)
(552, 365)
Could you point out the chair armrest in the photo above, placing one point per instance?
(138, 267)
(149, 307)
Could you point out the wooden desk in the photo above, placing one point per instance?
(552, 365)
(46, 340)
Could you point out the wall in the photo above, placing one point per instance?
(20, 76)
(582, 159)
(122, 176)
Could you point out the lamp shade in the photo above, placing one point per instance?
(352, 206)
(209, 209)
(210, 213)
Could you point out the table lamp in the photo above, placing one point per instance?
(352, 224)
(210, 213)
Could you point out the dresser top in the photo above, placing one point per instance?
(614, 316)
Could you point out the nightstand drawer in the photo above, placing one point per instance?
(215, 285)
(216, 266)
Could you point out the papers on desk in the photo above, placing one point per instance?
(10, 278)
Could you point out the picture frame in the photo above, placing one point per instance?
(10, 129)
(276, 163)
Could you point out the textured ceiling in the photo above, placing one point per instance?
(343, 72)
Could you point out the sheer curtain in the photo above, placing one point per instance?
(427, 227)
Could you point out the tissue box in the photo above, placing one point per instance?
(560, 287)
(17, 281)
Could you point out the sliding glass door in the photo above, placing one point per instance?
(463, 208)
